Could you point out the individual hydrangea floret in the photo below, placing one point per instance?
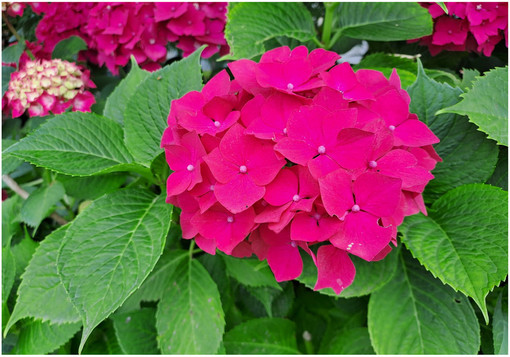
(115, 31)
(13, 9)
(469, 26)
(298, 154)
(45, 86)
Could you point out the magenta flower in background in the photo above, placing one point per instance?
(298, 154)
(48, 86)
(13, 9)
(115, 31)
(473, 26)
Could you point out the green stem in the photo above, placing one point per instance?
(335, 38)
(143, 171)
(191, 246)
(16, 34)
(328, 22)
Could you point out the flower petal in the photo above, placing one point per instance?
(334, 269)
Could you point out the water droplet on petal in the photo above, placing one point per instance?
(128, 319)
(339, 282)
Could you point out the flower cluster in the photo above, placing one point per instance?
(45, 86)
(115, 31)
(13, 9)
(469, 26)
(294, 152)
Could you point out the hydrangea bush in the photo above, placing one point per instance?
(301, 178)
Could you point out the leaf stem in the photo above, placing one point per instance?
(191, 246)
(328, 23)
(13, 185)
(16, 34)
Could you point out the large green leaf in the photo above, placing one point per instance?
(500, 326)
(79, 144)
(351, 341)
(10, 218)
(109, 250)
(464, 241)
(416, 314)
(136, 332)
(500, 176)
(9, 162)
(8, 272)
(250, 272)
(468, 157)
(41, 203)
(23, 252)
(370, 276)
(156, 283)
(68, 48)
(262, 336)
(41, 283)
(251, 24)
(38, 338)
(92, 187)
(6, 77)
(12, 53)
(486, 104)
(145, 117)
(383, 21)
(118, 100)
(190, 319)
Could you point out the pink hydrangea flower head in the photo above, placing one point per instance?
(330, 165)
(469, 26)
(115, 31)
(45, 86)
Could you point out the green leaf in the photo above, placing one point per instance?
(41, 283)
(10, 218)
(9, 163)
(154, 286)
(383, 21)
(250, 25)
(109, 250)
(68, 49)
(250, 272)
(265, 295)
(92, 187)
(136, 332)
(460, 142)
(500, 176)
(23, 252)
(40, 338)
(8, 272)
(462, 243)
(468, 77)
(160, 169)
(6, 77)
(12, 53)
(148, 108)
(416, 314)
(262, 336)
(41, 203)
(76, 143)
(370, 276)
(190, 319)
(486, 104)
(500, 326)
(117, 101)
(443, 6)
(351, 341)
(103, 341)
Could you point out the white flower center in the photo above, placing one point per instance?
(217, 123)
(372, 164)
(355, 208)
(190, 167)
(391, 127)
(321, 149)
(290, 86)
(230, 219)
(243, 169)
(296, 198)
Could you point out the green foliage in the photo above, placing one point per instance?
(250, 272)
(460, 142)
(486, 104)
(68, 48)
(9, 163)
(251, 25)
(117, 101)
(10, 218)
(147, 111)
(79, 144)
(92, 187)
(109, 250)
(262, 336)
(468, 77)
(41, 283)
(37, 338)
(500, 326)
(12, 53)
(6, 77)
(463, 244)
(190, 319)
(415, 314)
(136, 331)
(383, 21)
(41, 203)
(22, 253)
(8, 273)
(351, 341)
